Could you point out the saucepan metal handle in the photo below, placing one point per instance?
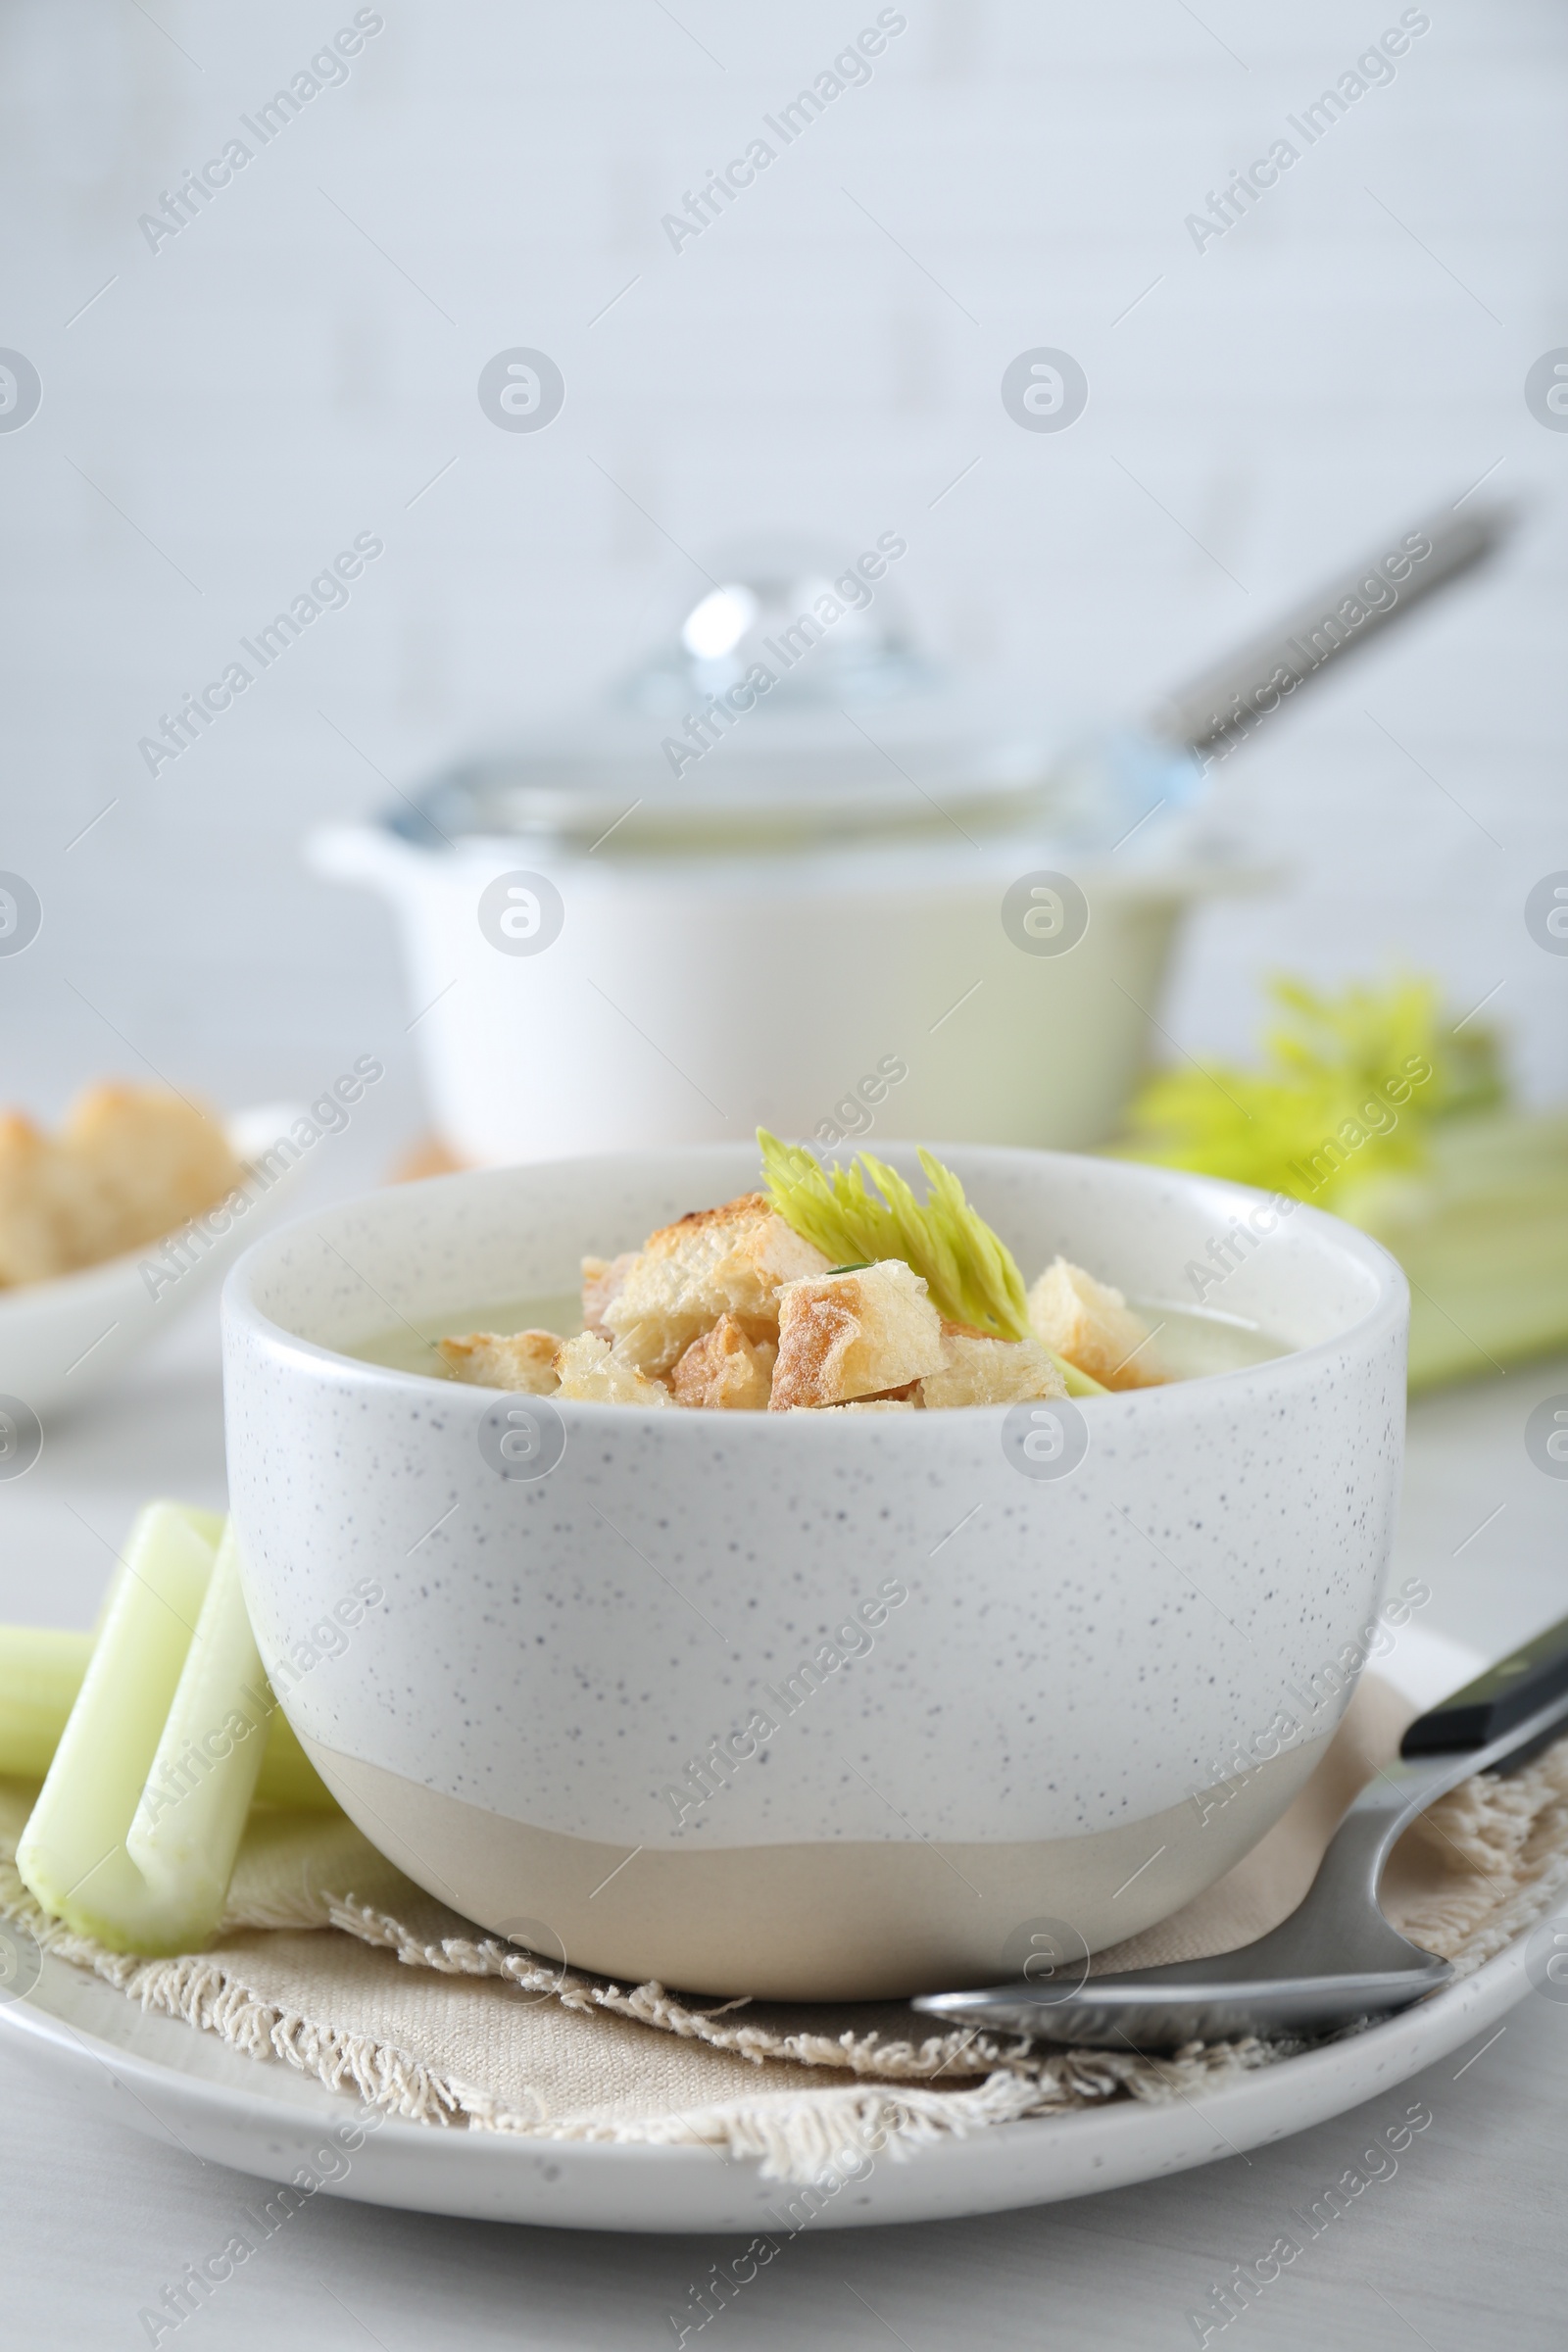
(1226, 702)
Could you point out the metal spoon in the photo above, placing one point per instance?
(1335, 1958)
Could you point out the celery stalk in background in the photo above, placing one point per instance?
(1482, 1231)
(41, 1671)
(1376, 1105)
(136, 1827)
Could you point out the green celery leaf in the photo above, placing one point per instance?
(970, 1274)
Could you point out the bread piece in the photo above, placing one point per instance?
(977, 1369)
(152, 1161)
(38, 1213)
(522, 1360)
(843, 1336)
(724, 1371)
(715, 1261)
(602, 1281)
(590, 1372)
(131, 1163)
(1093, 1326)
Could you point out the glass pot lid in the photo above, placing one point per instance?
(789, 706)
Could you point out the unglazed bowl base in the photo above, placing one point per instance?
(850, 1921)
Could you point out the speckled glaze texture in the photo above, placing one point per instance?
(1074, 1653)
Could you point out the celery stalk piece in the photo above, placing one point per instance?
(72, 1854)
(1483, 1233)
(288, 1778)
(41, 1674)
(191, 1818)
(41, 1671)
(136, 1826)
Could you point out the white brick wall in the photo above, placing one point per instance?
(267, 384)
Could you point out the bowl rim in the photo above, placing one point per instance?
(1389, 1307)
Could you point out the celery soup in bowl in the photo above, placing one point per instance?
(821, 1704)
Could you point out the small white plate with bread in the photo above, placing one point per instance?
(111, 1228)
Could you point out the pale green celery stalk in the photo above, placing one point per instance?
(191, 1818)
(72, 1853)
(41, 1674)
(41, 1671)
(1482, 1231)
(288, 1778)
(136, 1827)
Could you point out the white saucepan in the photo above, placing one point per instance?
(787, 882)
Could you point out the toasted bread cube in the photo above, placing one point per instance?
(1093, 1326)
(724, 1371)
(843, 1336)
(591, 1373)
(603, 1279)
(151, 1160)
(717, 1261)
(130, 1164)
(980, 1370)
(36, 1218)
(522, 1360)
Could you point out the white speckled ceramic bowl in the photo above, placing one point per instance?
(810, 1706)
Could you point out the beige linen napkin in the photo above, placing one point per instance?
(333, 1962)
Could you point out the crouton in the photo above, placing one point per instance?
(590, 1372)
(130, 1164)
(1094, 1328)
(724, 1371)
(522, 1360)
(152, 1158)
(602, 1281)
(979, 1370)
(37, 1210)
(857, 1335)
(717, 1261)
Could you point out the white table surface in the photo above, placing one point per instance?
(1465, 2246)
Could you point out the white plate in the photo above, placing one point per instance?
(175, 2083)
(62, 1340)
